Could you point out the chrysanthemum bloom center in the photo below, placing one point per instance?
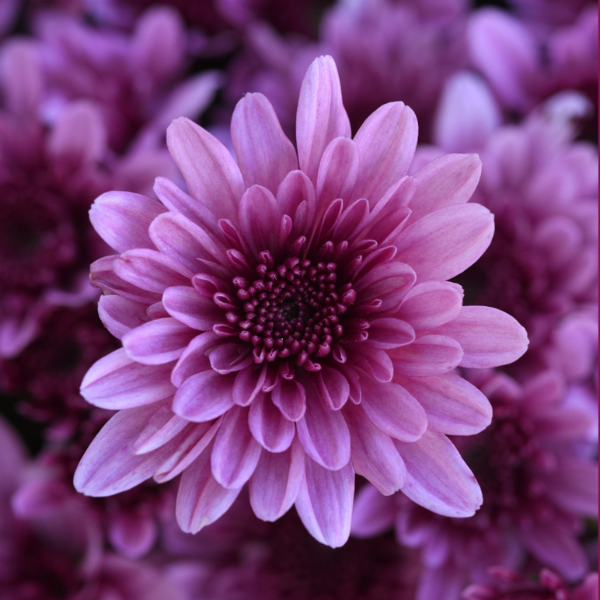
(291, 310)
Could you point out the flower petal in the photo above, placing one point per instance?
(290, 398)
(386, 144)
(324, 503)
(393, 410)
(438, 478)
(389, 333)
(333, 387)
(431, 304)
(203, 396)
(323, 432)
(120, 315)
(427, 355)
(157, 342)
(337, 171)
(186, 305)
(248, 383)
(122, 219)
(453, 405)
(321, 116)
(373, 513)
(195, 357)
(200, 499)
(115, 381)
(211, 174)
(236, 452)
(488, 337)
(259, 219)
(374, 455)
(276, 482)
(268, 426)
(110, 465)
(445, 242)
(265, 155)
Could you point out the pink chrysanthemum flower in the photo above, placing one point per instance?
(539, 476)
(512, 586)
(289, 322)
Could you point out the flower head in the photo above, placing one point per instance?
(289, 323)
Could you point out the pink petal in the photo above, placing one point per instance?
(290, 398)
(120, 315)
(211, 175)
(324, 503)
(150, 270)
(296, 198)
(79, 135)
(453, 405)
(268, 426)
(386, 144)
(374, 361)
(22, 78)
(321, 116)
(390, 333)
(122, 219)
(116, 382)
(467, 114)
(200, 499)
(337, 171)
(162, 427)
(228, 358)
(132, 534)
(445, 181)
(248, 383)
(374, 455)
(195, 357)
(265, 155)
(180, 239)
(186, 305)
(259, 219)
(333, 387)
(276, 482)
(350, 223)
(427, 355)
(393, 410)
(102, 275)
(573, 484)
(555, 545)
(373, 513)
(203, 396)
(157, 342)
(438, 478)
(431, 304)
(488, 337)
(324, 434)
(196, 438)
(110, 465)
(445, 242)
(177, 201)
(389, 282)
(235, 453)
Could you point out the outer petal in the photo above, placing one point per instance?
(438, 478)
(393, 410)
(122, 219)
(453, 405)
(373, 513)
(431, 304)
(265, 155)
(374, 455)
(209, 170)
(324, 503)
(290, 398)
(276, 482)
(120, 315)
(235, 453)
(115, 381)
(427, 355)
(321, 115)
(446, 181)
(110, 465)
(386, 144)
(445, 242)
(324, 434)
(157, 342)
(200, 499)
(488, 337)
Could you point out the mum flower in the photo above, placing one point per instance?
(289, 323)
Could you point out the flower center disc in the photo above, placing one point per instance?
(292, 310)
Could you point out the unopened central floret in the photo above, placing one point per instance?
(292, 310)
